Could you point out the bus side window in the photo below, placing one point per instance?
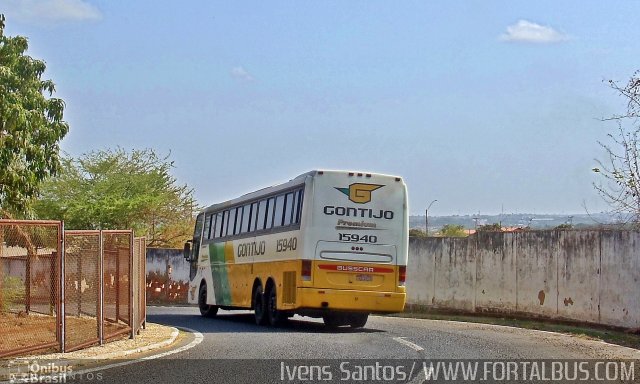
(246, 219)
(237, 222)
(262, 215)
(212, 231)
(207, 226)
(288, 209)
(268, 219)
(219, 223)
(254, 217)
(279, 211)
(225, 223)
(232, 222)
(298, 209)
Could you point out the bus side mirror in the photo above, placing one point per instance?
(187, 251)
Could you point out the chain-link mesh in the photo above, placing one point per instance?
(81, 288)
(29, 285)
(103, 286)
(117, 256)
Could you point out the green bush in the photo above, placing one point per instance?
(453, 230)
(495, 227)
(415, 232)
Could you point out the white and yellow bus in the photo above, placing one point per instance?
(330, 244)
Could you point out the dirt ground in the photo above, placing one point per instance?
(21, 330)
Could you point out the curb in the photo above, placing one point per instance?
(198, 337)
(110, 355)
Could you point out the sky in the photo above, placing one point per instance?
(486, 107)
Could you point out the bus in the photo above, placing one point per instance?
(326, 244)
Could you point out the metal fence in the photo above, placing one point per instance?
(139, 289)
(66, 290)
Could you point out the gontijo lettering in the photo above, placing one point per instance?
(358, 212)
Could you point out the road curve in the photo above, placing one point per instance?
(234, 335)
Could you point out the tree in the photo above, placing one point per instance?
(621, 168)
(495, 227)
(415, 232)
(114, 189)
(31, 124)
(453, 230)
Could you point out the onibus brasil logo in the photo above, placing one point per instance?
(359, 192)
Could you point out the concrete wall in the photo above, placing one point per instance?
(591, 276)
(167, 276)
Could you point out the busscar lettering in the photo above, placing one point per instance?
(352, 268)
(358, 212)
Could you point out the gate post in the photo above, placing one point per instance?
(100, 309)
(61, 309)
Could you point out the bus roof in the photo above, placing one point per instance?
(298, 180)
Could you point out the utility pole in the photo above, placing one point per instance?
(426, 218)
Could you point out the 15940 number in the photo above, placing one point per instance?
(284, 245)
(354, 237)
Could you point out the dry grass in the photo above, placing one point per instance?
(21, 330)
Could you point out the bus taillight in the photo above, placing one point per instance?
(402, 274)
(306, 270)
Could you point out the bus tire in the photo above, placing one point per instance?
(259, 307)
(274, 315)
(333, 320)
(358, 320)
(206, 310)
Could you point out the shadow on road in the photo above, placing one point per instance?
(244, 322)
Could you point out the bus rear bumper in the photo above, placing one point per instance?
(351, 300)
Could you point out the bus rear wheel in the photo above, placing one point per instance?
(259, 307)
(333, 320)
(357, 320)
(206, 310)
(354, 320)
(275, 316)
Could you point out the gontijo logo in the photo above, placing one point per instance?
(359, 192)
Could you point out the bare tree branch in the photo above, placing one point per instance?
(620, 170)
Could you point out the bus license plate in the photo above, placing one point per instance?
(364, 277)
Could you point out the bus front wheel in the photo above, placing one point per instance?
(206, 310)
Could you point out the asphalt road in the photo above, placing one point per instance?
(235, 350)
